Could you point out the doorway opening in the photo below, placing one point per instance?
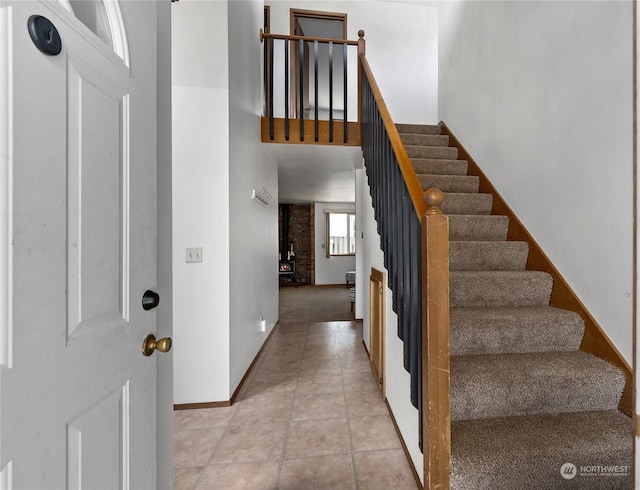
(328, 25)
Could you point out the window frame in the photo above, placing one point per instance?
(351, 215)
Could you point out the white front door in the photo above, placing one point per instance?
(78, 248)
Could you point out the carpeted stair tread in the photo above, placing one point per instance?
(503, 330)
(477, 227)
(450, 183)
(466, 203)
(444, 152)
(527, 452)
(439, 166)
(509, 385)
(418, 128)
(425, 139)
(486, 256)
(499, 288)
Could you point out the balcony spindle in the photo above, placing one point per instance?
(286, 90)
(301, 77)
(345, 90)
(330, 91)
(315, 91)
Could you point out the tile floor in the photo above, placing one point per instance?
(308, 417)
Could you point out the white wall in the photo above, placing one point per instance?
(540, 93)
(253, 228)
(398, 382)
(200, 201)
(401, 47)
(330, 270)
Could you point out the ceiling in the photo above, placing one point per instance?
(315, 173)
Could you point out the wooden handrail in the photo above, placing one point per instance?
(404, 162)
(286, 37)
(431, 279)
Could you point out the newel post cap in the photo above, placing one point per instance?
(434, 198)
(361, 42)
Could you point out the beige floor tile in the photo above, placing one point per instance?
(355, 363)
(373, 432)
(278, 363)
(317, 473)
(309, 370)
(263, 409)
(321, 354)
(185, 479)
(316, 438)
(245, 443)
(383, 470)
(246, 476)
(328, 383)
(202, 418)
(359, 381)
(361, 403)
(323, 406)
(273, 385)
(315, 368)
(193, 447)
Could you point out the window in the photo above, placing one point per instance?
(341, 234)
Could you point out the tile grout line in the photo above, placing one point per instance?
(346, 409)
(293, 401)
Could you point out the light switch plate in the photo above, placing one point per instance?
(193, 254)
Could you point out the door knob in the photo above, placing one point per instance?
(150, 344)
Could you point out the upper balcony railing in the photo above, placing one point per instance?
(311, 86)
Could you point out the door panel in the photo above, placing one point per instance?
(376, 325)
(97, 221)
(78, 133)
(100, 432)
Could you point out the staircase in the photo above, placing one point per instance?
(524, 399)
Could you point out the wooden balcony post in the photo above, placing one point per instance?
(361, 52)
(436, 409)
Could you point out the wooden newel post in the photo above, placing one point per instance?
(361, 42)
(361, 52)
(436, 409)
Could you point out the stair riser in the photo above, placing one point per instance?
(418, 128)
(431, 152)
(467, 204)
(485, 331)
(478, 227)
(439, 167)
(531, 384)
(491, 339)
(481, 289)
(425, 139)
(487, 256)
(450, 183)
(528, 452)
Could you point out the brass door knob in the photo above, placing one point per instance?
(150, 344)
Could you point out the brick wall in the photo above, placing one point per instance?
(301, 234)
